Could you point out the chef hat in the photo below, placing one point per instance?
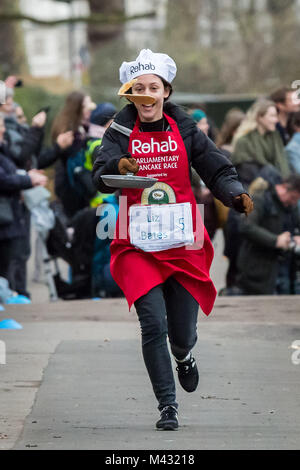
(148, 62)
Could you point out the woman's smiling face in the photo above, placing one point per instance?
(150, 85)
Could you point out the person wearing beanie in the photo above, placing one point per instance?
(200, 119)
(100, 120)
(165, 281)
(103, 113)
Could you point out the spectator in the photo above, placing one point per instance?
(20, 116)
(212, 129)
(232, 121)
(257, 143)
(285, 99)
(103, 284)
(202, 193)
(200, 119)
(267, 233)
(100, 120)
(228, 219)
(74, 117)
(293, 147)
(23, 141)
(12, 181)
(25, 147)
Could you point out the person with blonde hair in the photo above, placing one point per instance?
(256, 145)
(257, 142)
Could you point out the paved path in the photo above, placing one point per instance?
(74, 379)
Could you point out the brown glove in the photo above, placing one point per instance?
(243, 203)
(128, 165)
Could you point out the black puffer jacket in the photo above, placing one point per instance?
(213, 167)
(11, 184)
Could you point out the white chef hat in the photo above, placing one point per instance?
(148, 62)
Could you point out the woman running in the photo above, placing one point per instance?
(164, 269)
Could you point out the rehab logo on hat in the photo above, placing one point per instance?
(148, 62)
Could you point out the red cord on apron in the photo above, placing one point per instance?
(163, 155)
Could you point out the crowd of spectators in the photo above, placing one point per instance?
(262, 143)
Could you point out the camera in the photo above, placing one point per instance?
(294, 248)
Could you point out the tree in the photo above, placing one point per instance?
(12, 14)
(12, 56)
(107, 31)
(276, 7)
(285, 40)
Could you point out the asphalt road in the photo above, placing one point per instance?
(74, 378)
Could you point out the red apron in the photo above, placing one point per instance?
(162, 155)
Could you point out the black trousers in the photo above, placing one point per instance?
(167, 309)
(5, 256)
(20, 256)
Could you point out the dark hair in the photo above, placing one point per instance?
(295, 120)
(70, 116)
(292, 182)
(167, 85)
(279, 95)
(231, 122)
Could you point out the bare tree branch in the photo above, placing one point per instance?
(96, 18)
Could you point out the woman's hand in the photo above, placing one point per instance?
(128, 165)
(243, 203)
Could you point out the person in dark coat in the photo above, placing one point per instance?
(166, 284)
(266, 234)
(12, 181)
(25, 148)
(212, 166)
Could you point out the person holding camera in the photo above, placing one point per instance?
(269, 240)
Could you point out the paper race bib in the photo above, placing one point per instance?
(159, 227)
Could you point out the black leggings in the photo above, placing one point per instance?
(166, 309)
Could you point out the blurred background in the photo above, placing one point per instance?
(59, 58)
(229, 47)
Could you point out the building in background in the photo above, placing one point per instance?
(56, 51)
(144, 32)
(224, 45)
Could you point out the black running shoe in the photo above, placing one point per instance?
(168, 419)
(188, 374)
